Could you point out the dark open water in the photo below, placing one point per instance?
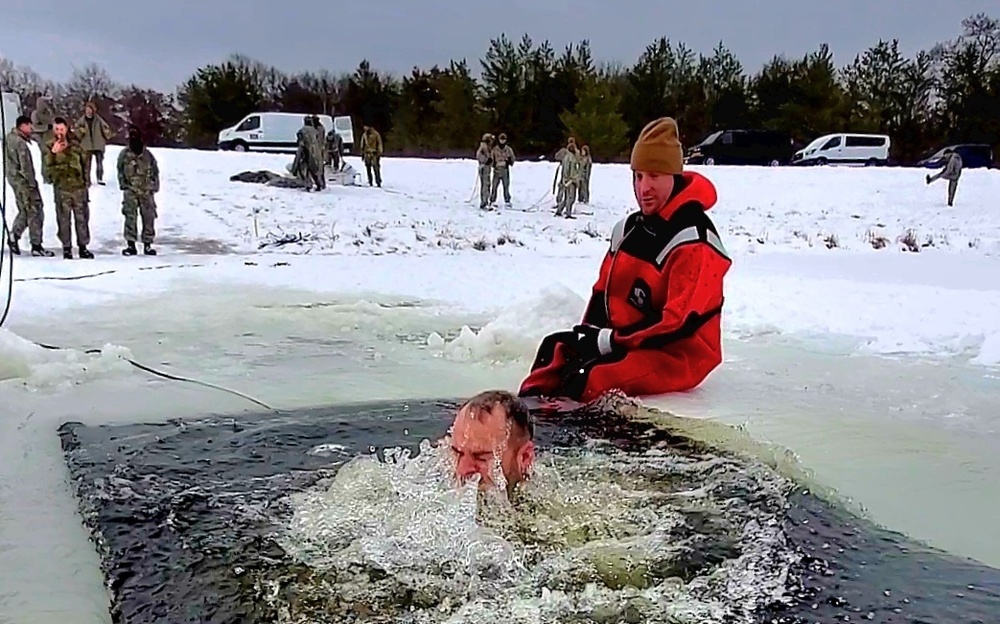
(186, 516)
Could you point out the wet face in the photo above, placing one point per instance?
(88, 111)
(652, 190)
(60, 131)
(487, 444)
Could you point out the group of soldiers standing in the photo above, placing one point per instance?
(66, 156)
(495, 162)
(315, 152)
(497, 157)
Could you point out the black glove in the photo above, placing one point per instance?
(593, 342)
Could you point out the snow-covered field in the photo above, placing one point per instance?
(878, 364)
(421, 237)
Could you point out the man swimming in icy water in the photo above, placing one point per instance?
(493, 427)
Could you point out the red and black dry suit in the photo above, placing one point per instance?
(658, 299)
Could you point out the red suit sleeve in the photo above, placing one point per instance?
(693, 279)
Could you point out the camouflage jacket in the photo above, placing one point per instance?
(334, 142)
(94, 133)
(316, 146)
(571, 167)
(138, 173)
(586, 164)
(306, 137)
(371, 143)
(484, 155)
(67, 169)
(18, 167)
(503, 156)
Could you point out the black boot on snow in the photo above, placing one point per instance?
(68, 253)
(129, 249)
(15, 248)
(148, 250)
(41, 252)
(86, 254)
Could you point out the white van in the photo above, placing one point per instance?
(11, 110)
(845, 148)
(276, 132)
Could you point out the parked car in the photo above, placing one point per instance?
(276, 132)
(742, 147)
(845, 148)
(974, 156)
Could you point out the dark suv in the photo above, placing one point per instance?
(743, 147)
(974, 155)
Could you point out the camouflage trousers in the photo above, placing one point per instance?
(73, 213)
(567, 198)
(373, 164)
(334, 159)
(485, 183)
(98, 157)
(30, 215)
(500, 174)
(134, 206)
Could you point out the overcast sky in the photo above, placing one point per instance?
(159, 43)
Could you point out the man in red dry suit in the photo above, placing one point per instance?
(653, 324)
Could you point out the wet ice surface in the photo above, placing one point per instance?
(290, 518)
(910, 441)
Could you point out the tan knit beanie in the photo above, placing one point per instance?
(658, 149)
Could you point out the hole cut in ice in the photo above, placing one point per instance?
(333, 515)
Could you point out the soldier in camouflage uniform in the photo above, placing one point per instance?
(94, 135)
(305, 167)
(20, 173)
(41, 128)
(139, 179)
(371, 153)
(334, 149)
(571, 168)
(319, 151)
(586, 164)
(503, 160)
(484, 155)
(67, 163)
(560, 155)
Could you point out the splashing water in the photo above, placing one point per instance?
(597, 535)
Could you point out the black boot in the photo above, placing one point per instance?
(129, 249)
(86, 254)
(148, 249)
(68, 253)
(38, 250)
(15, 248)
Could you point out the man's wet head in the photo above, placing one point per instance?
(493, 430)
(657, 162)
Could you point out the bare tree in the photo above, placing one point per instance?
(88, 83)
(23, 81)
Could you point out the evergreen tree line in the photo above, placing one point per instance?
(540, 96)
